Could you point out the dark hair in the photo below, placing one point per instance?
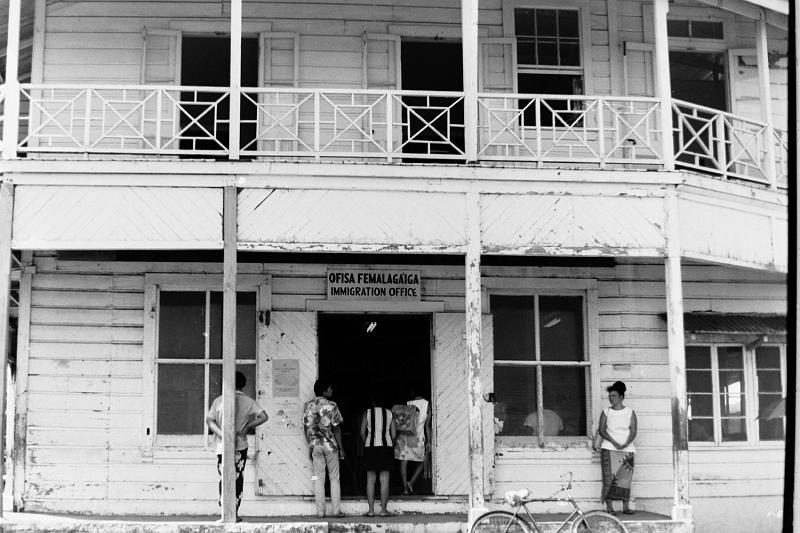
(619, 387)
(241, 381)
(320, 387)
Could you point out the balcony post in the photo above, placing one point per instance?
(469, 52)
(663, 84)
(236, 79)
(681, 506)
(11, 113)
(765, 98)
(472, 278)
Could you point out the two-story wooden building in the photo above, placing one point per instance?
(507, 205)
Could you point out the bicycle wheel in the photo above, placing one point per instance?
(500, 522)
(598, 522)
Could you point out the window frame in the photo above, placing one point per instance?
(584, 35)
(154, 284)
(750, 393)
(587, 289)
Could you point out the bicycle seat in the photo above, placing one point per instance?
(514, 497)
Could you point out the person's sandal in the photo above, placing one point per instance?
(628, 511)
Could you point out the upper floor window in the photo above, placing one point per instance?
(540, 359)
(549, 62)
(695, 29)
(735, 392)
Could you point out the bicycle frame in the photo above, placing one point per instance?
(576, 511)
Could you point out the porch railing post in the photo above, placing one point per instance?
(472, 275)
(469, 51)
(235, 95)
(663, 84)
(682, 508)
(11, 107)
(765, 98)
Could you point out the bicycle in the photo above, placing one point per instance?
(580, 522)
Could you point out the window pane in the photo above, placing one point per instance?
(700, 405)
(730, 357)
(180, 399)
(546, 22)
(698, 380)
(245, 325)
(526, 52)
(570, 54)
(771, 415)
(561, 328)
(513, 327)
(698, 357)
(769, 381)
(567, 23)
(515, 395)
(707, 29)
(678, 28)
(768, 357)
(564, 394)
(523, 22)
(181, 325)
(731, 404)
(733, 430)
(215, 381)
(701, 430)
(546, 52)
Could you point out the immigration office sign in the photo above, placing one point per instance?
(391, 285)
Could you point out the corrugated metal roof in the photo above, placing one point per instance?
(733, 323)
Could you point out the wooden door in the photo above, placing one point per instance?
(450, 397)
(287, 369)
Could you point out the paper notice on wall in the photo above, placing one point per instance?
(285, 378)
(287, 417)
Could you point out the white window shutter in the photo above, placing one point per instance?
(638, 69)
(498, 65)
(161, 57)
(380, 61)
(279, 64)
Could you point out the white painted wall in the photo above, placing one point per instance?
(85, 391)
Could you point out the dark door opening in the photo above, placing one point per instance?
(698, 78)
(390, 353)
(432, 66)
(205, 62)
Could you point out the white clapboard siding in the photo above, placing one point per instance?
(284, 467)
(86, 404)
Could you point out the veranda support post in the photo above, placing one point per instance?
(682, 508)
(472, 278)
(663, 84)
(6, 210)
(229, 353)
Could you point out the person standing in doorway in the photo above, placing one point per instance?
(378, 433)
(321, 421)
(618, 429)
(415, 448)
(247, 415)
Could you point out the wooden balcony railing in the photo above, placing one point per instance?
(388, 125)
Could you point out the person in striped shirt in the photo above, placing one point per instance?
(378, 432)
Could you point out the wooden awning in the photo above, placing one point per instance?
(751, 324)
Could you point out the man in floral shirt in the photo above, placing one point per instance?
(321, 420)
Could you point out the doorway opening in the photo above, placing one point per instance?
(205, 62)
(432, 66)
(699, 78)
(360, 353)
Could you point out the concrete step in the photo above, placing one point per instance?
(642, 522)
